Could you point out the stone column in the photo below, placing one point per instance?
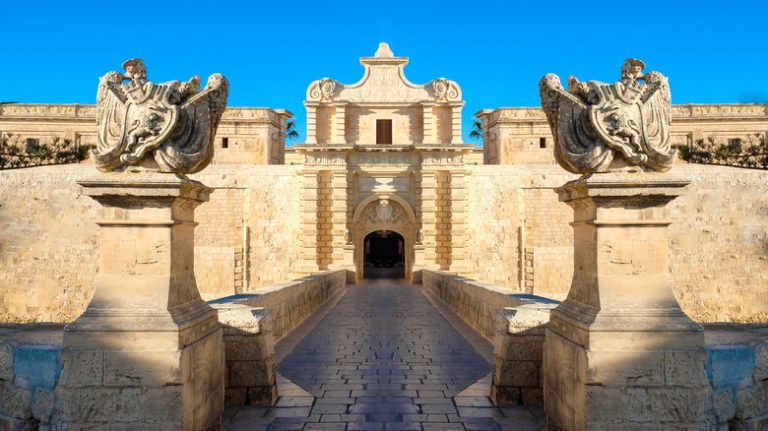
(338, 127)
(430, 126)
(456, 124)
(619, 352)
(341, 257)
(148, 351)
(428, 221)
(311, 123)
(459, 215)
(308, 239)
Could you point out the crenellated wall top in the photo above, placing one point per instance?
(384, 82)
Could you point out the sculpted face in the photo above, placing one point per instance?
(631, 70)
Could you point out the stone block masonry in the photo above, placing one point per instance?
(253, 322)
(514, 322)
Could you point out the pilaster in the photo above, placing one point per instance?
(338, 127)
(309, 187)
(430, 125)
(340, 230)
(458, 222)
(428, 219)
(456, 123)
(311, 124)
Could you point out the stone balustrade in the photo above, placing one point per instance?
(252, 323)
(513, 321)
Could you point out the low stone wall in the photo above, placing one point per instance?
(254, 321)
(30, 365)
(513, 321)
(738, 374)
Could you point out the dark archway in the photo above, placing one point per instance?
(384, 255)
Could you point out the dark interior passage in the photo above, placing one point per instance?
(384, 255)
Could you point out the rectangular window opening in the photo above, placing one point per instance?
(384, 132)
(542, 142)
(224, 142)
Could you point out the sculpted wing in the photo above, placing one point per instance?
(190, 148)
(656, 117)
(578, 148)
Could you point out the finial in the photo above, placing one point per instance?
(384, 51)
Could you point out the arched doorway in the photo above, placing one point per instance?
(376, 214)
(384, 255)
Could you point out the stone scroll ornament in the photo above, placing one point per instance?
(166, 127)
(602, 127)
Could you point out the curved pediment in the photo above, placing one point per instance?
(383, 82)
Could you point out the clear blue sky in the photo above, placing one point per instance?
(713, 52)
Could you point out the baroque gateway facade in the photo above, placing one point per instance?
(382, 187)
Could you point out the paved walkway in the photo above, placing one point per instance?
(384, 358)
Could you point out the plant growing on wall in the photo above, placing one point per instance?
(58, 151)
(709, 151)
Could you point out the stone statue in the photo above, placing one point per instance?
(593, 122)
(166, 127)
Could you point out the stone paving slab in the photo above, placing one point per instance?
(384, 358)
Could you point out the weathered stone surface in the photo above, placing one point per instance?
(165, 127)
(761, 361)
(82, 367)
(6, 361)
(724, 403)
(142, 368)
(14, 401)
(685, 368)
(752, 401)
(628, 121)
(43, 403)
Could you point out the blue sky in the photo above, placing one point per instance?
(54, 52)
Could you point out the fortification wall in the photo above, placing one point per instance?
(719, 237)
(246, 237)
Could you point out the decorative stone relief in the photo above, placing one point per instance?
(444, 90)
(384, 213)
(593, 122)
(166, 127)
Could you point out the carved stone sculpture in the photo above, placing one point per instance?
(593, 122)
(166, 127)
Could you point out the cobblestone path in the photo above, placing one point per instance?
(384, 358)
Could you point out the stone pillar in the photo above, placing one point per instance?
(308, 263)
(619, 352)
(148, 351)
(428, 220)
(311, 124)
(341, 257)
(430, 126)
(338, 127)
(459, 215)
(456, 124)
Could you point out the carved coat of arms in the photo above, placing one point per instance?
(601, 127)
(166, 127)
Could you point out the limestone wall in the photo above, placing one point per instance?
(719, 256)
(494, 228)
(246, 237)
(48, 244)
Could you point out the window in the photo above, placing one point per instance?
(735, 144)
(32, 145)
(383, 132)
(542, 142)
(224, 142)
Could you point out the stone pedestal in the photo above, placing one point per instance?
(148, 352)
(619, 353)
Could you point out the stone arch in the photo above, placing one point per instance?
(384, 212)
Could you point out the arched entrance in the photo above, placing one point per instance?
(384, 255)
(373, 216)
